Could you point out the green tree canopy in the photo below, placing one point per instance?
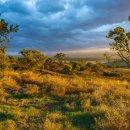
(5, 34)
(121, 43)
(33, 59)
(60, 57)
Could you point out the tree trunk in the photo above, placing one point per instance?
(124, 59)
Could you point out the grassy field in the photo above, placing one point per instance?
(35, 101)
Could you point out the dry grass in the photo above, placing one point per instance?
(57, 121)
(31, 77)
(86, 103)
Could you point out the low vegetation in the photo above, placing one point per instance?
(31, 100)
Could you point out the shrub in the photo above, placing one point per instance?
(112, 74)
(56, 85)
(86, 104)
(10, 84)
(67, 69)
(95, 67)
(71, 68)
(57, 121)
(48, 63)
(30, 77)
(70, 106)
(30, 89)
(32, 59)
(83, 67)
(10, 73)
(13, 62)
(8, 125)
(113, 120)
(76, 85)
(3, 95)
(75, 68)
(4, 62)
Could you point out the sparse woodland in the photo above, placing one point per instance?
(42, 93)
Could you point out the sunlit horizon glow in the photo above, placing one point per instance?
(83, 52)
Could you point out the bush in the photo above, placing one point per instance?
(55, 85)
(75, 68)
(13, 62)
(86, 104)
(112, 74)
(95, 67)
(57, 121)
(67, 69)
(10, 85)
(4, 62)
(83, 67)
(70, 106)
(113, 120)
(3, 95)
(29, 89)
(9, 125)
(32, 59)
(48, 64)
(71, 68)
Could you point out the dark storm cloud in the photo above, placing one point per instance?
(50, 6)
(15, 6)
(56, 25)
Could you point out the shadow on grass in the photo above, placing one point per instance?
(22, 96)
(5, 116)
(83, 121)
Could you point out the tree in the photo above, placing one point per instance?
(5, 32)
(32, 59)
(111, 61)
(121, 43)
(60, 57)
(5, 36)
(107, 57)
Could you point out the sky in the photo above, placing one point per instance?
(64, 25)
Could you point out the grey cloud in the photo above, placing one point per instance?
(15, 6)
(53, 25)
(49, 6)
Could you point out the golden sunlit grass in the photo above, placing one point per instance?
(57, 121)
(37, 101)
(31, 77)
